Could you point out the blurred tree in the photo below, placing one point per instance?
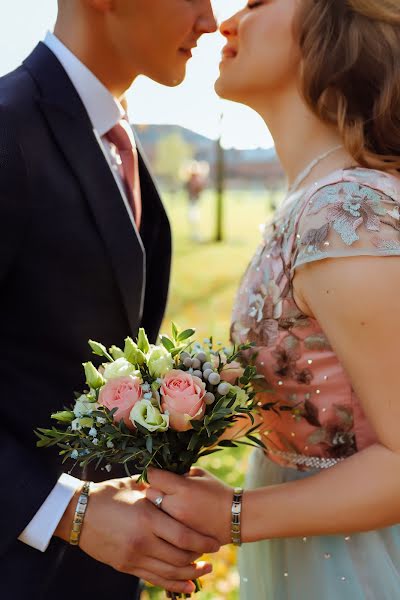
(171, 152)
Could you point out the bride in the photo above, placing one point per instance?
(320, 300)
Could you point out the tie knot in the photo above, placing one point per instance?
(120, 136)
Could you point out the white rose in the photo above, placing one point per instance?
(149, 416)
(119, 368)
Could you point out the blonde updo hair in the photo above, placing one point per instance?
(351, 73)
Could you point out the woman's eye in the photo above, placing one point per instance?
(251, 5)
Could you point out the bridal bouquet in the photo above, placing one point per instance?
(165, 406)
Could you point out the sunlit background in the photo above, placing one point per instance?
(215, 230)
(24, 22)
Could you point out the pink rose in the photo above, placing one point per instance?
(182, 397)
(231, 372)
(121, 393)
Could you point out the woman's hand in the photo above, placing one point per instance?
(198, 500)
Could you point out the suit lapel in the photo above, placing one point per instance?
(77, 140)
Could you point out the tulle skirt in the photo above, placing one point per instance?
(362, 566)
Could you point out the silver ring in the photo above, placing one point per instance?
(158, 501)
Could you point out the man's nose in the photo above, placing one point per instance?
(207, 22)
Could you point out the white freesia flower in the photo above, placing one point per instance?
(119, 368)
(149, 416)
(80, 422)
(75, 425)
(83, 407)
(241, 397)
(159, 361)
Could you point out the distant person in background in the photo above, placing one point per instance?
(85, 252)
(195, 184)
(320, 302)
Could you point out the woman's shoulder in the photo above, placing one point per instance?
(383, 182)
(351, 212)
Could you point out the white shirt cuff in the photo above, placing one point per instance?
(40, 530)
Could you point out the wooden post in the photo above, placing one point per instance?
(220, 189)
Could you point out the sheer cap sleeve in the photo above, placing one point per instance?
(357, 215)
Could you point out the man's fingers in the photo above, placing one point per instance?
(179, 587)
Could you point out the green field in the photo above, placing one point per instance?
(206, 275)
(204, 282)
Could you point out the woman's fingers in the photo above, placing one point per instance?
(174, 556)
(180, 536)
(179, 587)
(196, 472)
(170, 573)
(153, 493)
(163, 480)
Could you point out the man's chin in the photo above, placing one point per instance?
(171, 79)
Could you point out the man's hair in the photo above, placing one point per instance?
(351, 73)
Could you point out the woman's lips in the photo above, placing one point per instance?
(228, 52)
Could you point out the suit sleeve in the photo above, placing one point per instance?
(25, 481)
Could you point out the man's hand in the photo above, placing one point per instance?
(198, 500)
(126, 531)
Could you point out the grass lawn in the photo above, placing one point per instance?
(205, 277)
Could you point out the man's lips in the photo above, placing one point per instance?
(187, 51)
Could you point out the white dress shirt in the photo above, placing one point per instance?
(104, 112)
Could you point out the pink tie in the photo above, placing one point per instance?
(122, 138)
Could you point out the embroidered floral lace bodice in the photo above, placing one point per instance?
(311, 409)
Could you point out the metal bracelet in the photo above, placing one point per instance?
(236, 533)
(79, 514)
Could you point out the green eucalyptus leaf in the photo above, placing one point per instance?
(188, 333)
(175, 331)
(167, 343)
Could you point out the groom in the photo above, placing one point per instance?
(85, 253)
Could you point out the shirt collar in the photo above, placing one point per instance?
(103, 109)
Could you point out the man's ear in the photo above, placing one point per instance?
(100, 5)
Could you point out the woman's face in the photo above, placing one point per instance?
(261, 58)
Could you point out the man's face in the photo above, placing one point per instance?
(155, 37)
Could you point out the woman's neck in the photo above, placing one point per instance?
(300, 137)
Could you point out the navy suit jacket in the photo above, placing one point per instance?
(72, 267)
